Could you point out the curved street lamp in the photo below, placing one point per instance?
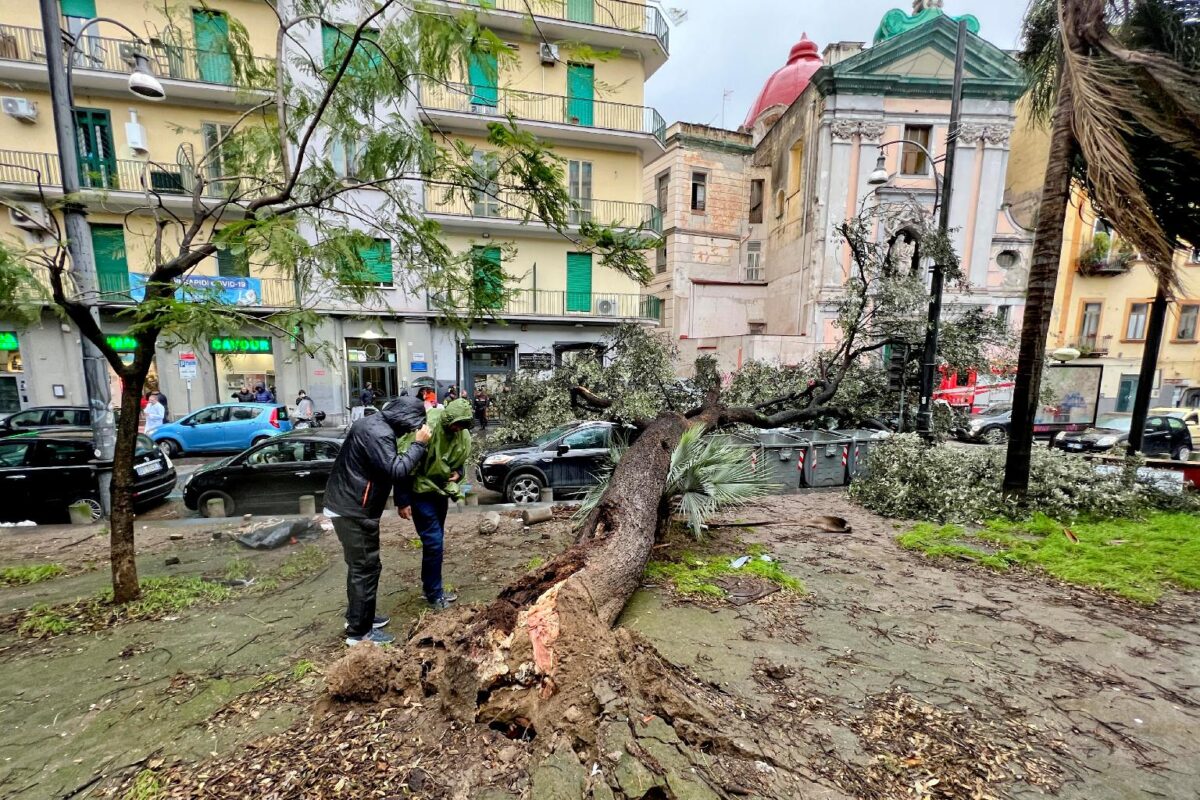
(880, 176)
(142, 81)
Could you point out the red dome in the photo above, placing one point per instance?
(789, 81)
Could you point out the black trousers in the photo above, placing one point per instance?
(360, 548)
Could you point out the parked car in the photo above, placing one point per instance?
(271, 476)
(1190, 417)
(1163, 436)
(44, 472)
(223, 427)
(568, 459)
(990, 425)
(43, 417)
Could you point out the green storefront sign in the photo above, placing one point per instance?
(8, 342)
(121, 343)
(236, 344)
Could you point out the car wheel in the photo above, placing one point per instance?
(525, 489)
(259, 440)
(93, 505)
(995, 436)
(1183, 453)
(170, 448)
(202, 502)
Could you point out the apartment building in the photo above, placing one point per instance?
(592, 112)
(575, 79)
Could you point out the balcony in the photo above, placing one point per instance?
(599, 306)
(102, 64)
(508, 210)
(123, 289)
(606, 24)
(585, 122)
(124, 182)
(1104, 258)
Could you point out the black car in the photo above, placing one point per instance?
(271, 476)
(1163, 436)
(990, 425)
(44, 472)
(569, 459)
(43, 417)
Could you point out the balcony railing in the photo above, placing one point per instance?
(512, 206)
(618, 14)
(104, 54)
(115, 175)
(557, 303)
(124, 288)
(535, 107)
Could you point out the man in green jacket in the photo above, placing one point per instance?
(425, 495)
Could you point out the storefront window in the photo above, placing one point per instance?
(242, 362)
(372, 361)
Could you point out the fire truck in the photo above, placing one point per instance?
(971, 392)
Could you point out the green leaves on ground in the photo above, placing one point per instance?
(1134, 559)
(697, 575)
(160, 597)
(33, 573)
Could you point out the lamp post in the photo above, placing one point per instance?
(79, 237)
(941, 204)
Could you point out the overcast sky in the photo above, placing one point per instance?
(736, 45)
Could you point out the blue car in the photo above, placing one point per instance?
(226, 426)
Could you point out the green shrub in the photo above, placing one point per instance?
(34, 573)
(911, 480)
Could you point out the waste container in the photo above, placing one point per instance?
(862, 442)
(780, 451)
(826, 459)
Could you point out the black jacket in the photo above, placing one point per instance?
(368, 464)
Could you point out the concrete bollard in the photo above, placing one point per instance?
(547, 495)
(308, 505)
(533, 516)
(215, 507)
(81, 513)
(472, 500)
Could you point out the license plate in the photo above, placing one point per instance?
(149, 468)
(1074, 447)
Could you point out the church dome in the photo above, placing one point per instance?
(782, 88)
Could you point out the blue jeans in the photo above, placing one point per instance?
(429, 517)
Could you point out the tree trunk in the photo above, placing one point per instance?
(1039, 300)
(121, 539)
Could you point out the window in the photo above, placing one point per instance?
(795, 158)
(754, 271)
(662, 184)
(1003, 313)
(660, 260)
(1007, 259)
(1101, 225)
(1135, 326)
(1155, 425)
(756, 201)
(335, 41)
(579, 186)
(277, 453)
(377, 263)
(243, 413)
(913, 160)
(486, 191)
(1194, 257)
(26, 419)
(217, 154)
(231, 265)
(1089, 325)
(324, 451)
(1175, 425)
(209, 416)
(64, 454)
(699, 191)
(12, 454)
(1189, 315)
(488, 277)
(345, 156)
(592, 438)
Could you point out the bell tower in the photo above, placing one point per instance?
(923, 5)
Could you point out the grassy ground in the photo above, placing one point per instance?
(1135, 559)
(693, 574)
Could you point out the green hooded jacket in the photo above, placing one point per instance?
(446, 454)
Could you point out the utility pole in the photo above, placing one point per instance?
(79, 247)
(1141, 398)
(929, 361)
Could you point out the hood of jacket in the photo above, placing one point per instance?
(405, 415)
(458, 411)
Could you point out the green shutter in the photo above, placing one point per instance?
(112, 267)
(581, 10)
(334, 42)
(579, 282)
(213, 59)
(78, 8)
(581, 92)
(488, 280)
(377, 261)
(483, 74)
(232, 266)
(330, 36)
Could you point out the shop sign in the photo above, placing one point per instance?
(239, 344)
(189, 368)
(420, 366)
(537, 362)
(121, 343)
(230, 291)
(8, 342)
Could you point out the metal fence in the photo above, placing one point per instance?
(558, 303)
(113, 175)
(512, 205)
(619, 14)
(176, 62)
(536, 107)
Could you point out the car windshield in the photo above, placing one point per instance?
(994, 411)
(552, 434)
(145, 445)
(1120, 422)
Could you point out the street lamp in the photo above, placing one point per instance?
(78, 234)
(880, 176)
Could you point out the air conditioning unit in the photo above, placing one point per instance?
(135, 135)
(30, 218)
(606, 307)
(548, 53)
(485, 109)
(20, 108)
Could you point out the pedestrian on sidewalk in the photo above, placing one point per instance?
(481, 408)
(366, 468)
(306, 410)
(155, 413)
(425, 496)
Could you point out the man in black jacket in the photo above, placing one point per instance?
(362, 478)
